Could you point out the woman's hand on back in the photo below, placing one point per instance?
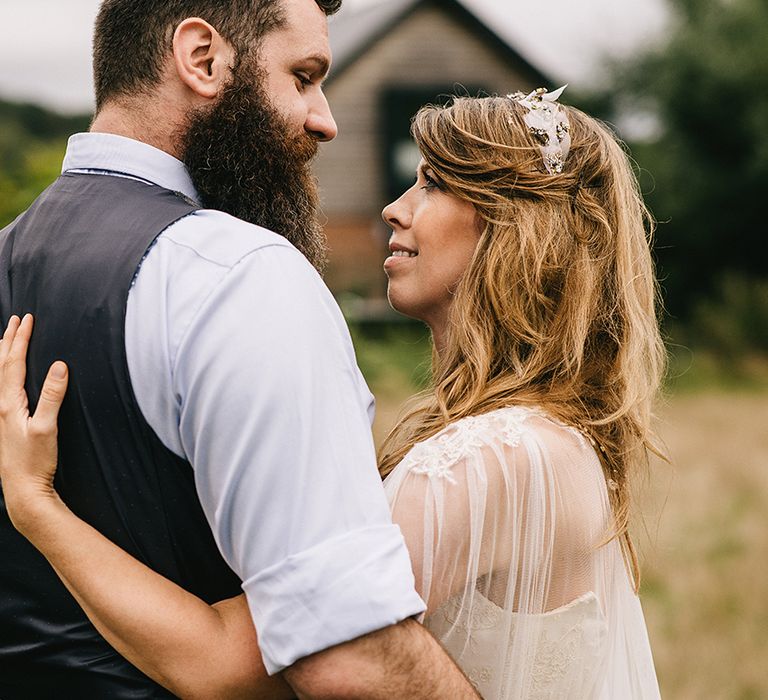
(191, 648)
(28, 443)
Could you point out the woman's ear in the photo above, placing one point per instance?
(203, 59)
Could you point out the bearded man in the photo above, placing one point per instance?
(216, 424)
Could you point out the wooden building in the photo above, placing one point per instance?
(389, 59)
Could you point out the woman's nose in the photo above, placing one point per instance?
(395, 215)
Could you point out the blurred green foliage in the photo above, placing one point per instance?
(32, 144)
(729, 331)
(705, 173)
(393, 357)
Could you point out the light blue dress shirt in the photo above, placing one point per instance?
(242, 363)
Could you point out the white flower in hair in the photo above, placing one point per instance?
(549, 123)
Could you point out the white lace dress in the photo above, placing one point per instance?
(506, 516)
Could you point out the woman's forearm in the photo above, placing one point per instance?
(191, 648)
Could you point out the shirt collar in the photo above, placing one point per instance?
(124, 156)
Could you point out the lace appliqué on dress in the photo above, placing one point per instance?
(436, 456)
(579, 641)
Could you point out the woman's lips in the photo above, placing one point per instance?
(399, 255)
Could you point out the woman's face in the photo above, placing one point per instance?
(434, 236)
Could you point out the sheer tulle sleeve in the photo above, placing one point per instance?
(506, 516)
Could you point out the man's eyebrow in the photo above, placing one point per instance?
(321, 62)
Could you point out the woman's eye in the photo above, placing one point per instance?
(431, 182)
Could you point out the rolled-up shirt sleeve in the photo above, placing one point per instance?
(273, 416)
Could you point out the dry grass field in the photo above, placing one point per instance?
(705, 547)
(703, 535)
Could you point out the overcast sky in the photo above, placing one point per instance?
(45, 52)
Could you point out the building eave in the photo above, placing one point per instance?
(461, 13)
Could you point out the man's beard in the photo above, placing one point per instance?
(243, 160)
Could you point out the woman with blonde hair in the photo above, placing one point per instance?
(524, 246)
(510, 475)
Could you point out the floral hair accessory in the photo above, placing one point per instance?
(549, 123)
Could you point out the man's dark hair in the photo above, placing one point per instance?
(133, 38)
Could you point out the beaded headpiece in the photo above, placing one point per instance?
(549, 123)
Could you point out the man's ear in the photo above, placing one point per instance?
(203, 59)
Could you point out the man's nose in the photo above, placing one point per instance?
(320, 122)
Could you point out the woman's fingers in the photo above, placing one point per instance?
(13, 373)
(28, 449)
(9, 393)
(10, 332)
(13, 366)
(51, 397)
(16, 361)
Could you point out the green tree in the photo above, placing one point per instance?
(708, 187)
(32, 144)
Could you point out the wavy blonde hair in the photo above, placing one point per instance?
(558, 307)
